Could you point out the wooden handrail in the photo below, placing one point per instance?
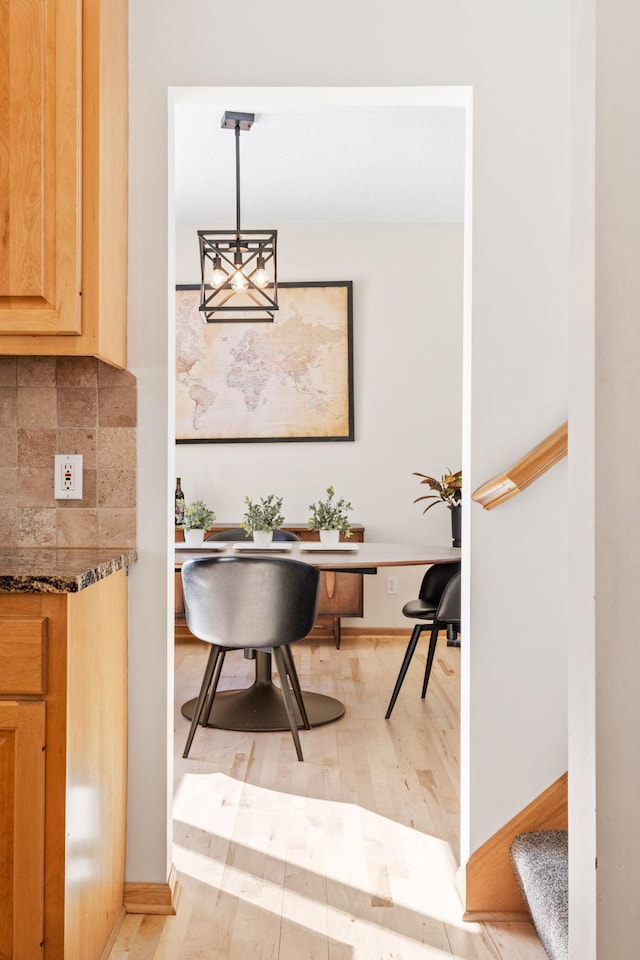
(525, 471)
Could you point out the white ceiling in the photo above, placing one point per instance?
(325, 164)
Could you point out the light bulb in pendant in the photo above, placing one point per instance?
(218, 275)
(239, 281)
(260, 276)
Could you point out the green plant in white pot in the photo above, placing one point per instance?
(262, 518)
(329, 517)
(198, 517)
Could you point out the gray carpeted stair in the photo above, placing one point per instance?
(540, 864)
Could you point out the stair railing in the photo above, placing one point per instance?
(519, 476)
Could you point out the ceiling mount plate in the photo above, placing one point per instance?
(231, 119)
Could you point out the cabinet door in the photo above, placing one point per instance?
(22, 731)
(40, 167)
(339, 594)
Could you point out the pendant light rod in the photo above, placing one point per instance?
(232, 120)
(238, 180)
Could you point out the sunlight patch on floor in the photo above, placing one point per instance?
(330, 866)
(315, 916)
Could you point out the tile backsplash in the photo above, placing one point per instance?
(52, 405)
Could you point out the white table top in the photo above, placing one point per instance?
(369, 554)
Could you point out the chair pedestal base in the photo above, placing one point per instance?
(260, 707)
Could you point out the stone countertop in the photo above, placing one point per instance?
(63, 570)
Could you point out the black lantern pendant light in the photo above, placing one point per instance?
(238, 267)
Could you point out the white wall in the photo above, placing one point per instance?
(407, 393)
(516, 57)
(605, 757)
(582, 633)
(604, 708)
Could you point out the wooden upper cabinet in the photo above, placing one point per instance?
(63, 178)
(40, 89)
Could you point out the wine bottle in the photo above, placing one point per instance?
(179, 502)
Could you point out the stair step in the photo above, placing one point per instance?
(540, 862)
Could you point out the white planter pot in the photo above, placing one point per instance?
(262, 538)
(330, 537)
(194, 537)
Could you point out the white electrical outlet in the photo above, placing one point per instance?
(67, 482)
(392, 584)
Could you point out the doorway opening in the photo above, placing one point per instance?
(362, 776)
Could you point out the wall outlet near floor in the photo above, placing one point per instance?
(67, 483)
(392, 584)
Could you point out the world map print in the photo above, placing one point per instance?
(288, 380)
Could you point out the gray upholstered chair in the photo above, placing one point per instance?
(250, 603)
(438, 608)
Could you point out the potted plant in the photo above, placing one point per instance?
(447, 490)
(198, 517)
(262, 518)
(329, 517)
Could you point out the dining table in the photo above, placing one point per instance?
(260, 707)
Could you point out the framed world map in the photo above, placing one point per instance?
(248, 382)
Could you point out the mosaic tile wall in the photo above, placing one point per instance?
(52, 405)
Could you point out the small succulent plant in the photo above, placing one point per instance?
(330, 514)
(197, 516)
(265, 514)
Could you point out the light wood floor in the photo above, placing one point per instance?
(350, 855)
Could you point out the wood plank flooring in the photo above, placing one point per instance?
(350, 855)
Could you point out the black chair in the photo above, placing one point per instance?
(249, 603)
(438, 605)
(237, 533)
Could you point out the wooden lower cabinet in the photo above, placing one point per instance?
(62, 770)
(22, 737)
(340, 594)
